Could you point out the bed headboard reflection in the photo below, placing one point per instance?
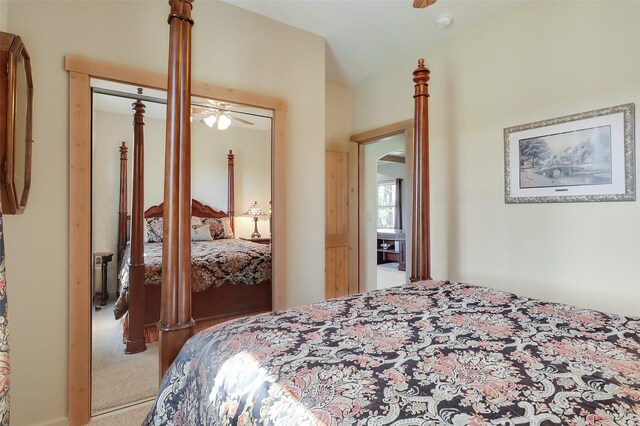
(198, 209)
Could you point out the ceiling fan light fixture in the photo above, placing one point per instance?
(223, 122)
(211, 120)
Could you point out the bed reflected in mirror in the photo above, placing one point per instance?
(231, 158)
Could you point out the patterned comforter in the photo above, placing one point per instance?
(213, 263)
(426, 354)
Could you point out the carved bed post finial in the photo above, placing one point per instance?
(230, 189)
(122, 205)
(123, 151)
(420, 257)
(135, 339)
(176, 324)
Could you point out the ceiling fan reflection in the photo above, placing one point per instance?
(217, 113)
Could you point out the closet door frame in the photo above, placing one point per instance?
(81, 70)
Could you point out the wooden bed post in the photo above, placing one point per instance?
(420, 257)
(176, 325)
(122, 206)
(230, 193)
(135, 338)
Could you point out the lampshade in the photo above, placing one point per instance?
(210, 120)
(215, 116)
(223, 122)
(255, 210)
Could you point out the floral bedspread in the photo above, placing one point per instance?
(5, 371)
(426, 354)
(213, 263)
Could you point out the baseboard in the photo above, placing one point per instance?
(58, 422)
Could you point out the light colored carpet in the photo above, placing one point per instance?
(126, 417)
(118, 379)
(389, 276)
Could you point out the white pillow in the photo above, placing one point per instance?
(201, 233)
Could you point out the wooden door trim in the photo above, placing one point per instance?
(382, 132)
(79, 360)
(81, 70)
(367, 137)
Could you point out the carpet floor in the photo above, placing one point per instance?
(118, 379)
(389, 276)
(125, 417)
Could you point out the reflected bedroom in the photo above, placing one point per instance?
(231, 228)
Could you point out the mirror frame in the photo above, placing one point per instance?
(11, 49)
(81, 70)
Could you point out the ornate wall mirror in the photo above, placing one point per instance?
(16, 109)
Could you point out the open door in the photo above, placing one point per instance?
(337, 224)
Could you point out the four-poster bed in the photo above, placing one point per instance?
(229, 277)
(432, 352)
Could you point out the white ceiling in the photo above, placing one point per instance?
(364, 35)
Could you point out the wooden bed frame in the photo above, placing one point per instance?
(208, 307)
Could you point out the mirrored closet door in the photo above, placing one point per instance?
(231, 171)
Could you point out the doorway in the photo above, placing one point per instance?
(391, 208)
(375, 144)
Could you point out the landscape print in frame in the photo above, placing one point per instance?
(576, 158)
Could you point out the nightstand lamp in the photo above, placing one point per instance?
(255, 211)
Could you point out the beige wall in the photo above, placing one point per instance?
(271, 59)
(338, 121)
(339, 100)
(109, 130)
(539, 61)
(3, 15)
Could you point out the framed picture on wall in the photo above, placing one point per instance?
(576, 158)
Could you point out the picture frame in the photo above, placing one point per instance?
(582, 157)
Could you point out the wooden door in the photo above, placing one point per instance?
(337, 224)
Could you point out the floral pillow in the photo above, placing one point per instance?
(154, 230)
(215, 227)
(220, 227)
